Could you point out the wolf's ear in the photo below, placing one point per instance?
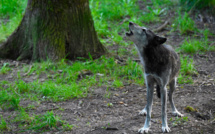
(160, 40)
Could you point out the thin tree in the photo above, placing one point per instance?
(54, 29)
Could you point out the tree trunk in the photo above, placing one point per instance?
(54, 29)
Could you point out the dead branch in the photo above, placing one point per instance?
(161, 27)
(28, 70)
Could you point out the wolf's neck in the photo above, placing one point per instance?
(140, 52)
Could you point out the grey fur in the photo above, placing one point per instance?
(161, 66)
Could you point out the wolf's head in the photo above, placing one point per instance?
(142, 37)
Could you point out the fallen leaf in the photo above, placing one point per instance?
(121, 102)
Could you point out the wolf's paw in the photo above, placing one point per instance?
(165, 129)
(176, 113)
(143, 130)
(143, 112)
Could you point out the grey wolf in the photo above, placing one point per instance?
(161, 67)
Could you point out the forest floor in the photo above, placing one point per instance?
(119, 112)
(92, 115)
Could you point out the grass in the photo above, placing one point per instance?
(9, 100)
(111, 17)
(11, 13)
(184, 24)
(63, 81)
(193, 46)
(46, 122)
(23, 118)
(40, 122)
(5, 68)
(107, 18)
(187, 70)
(3, 124)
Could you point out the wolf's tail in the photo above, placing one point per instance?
(158, 91)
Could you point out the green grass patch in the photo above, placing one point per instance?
(45, 122)
(47, 90)
(5, 68)
(23, 118)
(117, 83)
(187, 70)
(11, 13)
(3, 124)
(9, 8)
(111, 17)
(102, 69)
(195, 45)
(9, 100)
(192, 46)
(62, 80)
(40, 123)
(184, 24)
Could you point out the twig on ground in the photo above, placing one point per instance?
(161, 27)
(28, 70)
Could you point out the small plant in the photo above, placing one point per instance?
(5, 68)
(3, 124)
(46, 122)
(179, 120)
(67, 127)
(110, 104)
(22, 87)
(157, 11)
(149, 17)
(108, 93)
(117, 83)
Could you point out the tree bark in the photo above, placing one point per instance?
(54, 29)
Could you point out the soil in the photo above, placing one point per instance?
(93, 115)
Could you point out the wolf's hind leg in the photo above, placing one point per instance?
(143, 112)
(172, 86)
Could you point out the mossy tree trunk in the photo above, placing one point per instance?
(54, 29)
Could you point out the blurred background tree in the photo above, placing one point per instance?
(198, 4)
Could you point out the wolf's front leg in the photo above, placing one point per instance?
(165, 127)
(150, 90)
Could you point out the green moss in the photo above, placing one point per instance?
(190, 109)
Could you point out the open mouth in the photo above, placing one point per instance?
(129, 33)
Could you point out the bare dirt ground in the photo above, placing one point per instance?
(92, 115)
